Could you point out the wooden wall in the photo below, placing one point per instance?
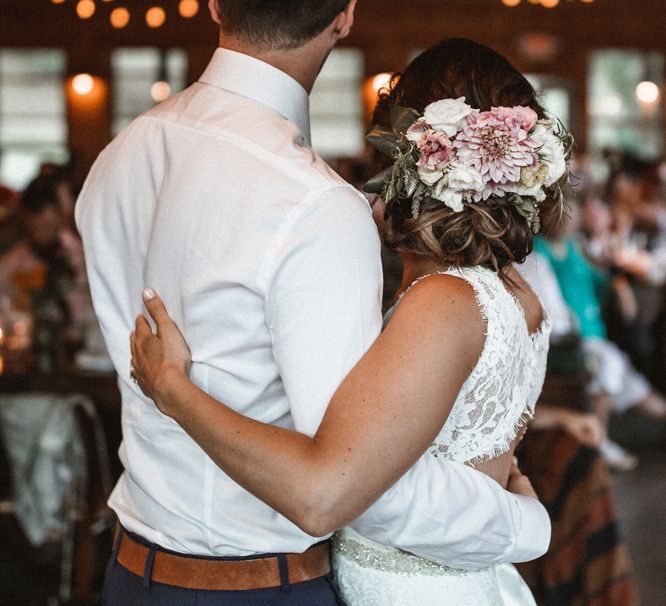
(388, 31)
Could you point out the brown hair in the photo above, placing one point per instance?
(278, 24)
(492, 233)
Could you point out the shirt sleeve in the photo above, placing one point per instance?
(452, 514)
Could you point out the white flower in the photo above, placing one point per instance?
(429, 176)
(535, 192)
(447, 115)
(452, 198)
(551, 151)
(532, 179)
(533, 176)
(465, 178)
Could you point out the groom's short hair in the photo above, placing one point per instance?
(277, 24)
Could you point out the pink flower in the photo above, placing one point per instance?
(435, 150)
(416, 131)
(516, 117)
(497, 148)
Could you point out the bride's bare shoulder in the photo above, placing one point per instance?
(444, 306)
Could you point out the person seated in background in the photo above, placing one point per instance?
(56, 177)
(637, 200)
(587, 561)
(615, 384)
(66, 325)
(62, 306)
(19, 266)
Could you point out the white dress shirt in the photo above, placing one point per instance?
(270, 265)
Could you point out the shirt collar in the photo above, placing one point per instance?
(261, 82)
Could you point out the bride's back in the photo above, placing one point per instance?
(497, 399)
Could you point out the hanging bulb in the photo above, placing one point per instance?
(119, 17)
(85, 9)
(155, 17)
(160, 91)
(188, 8)
(83, 84)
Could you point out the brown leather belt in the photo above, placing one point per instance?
(223, 575)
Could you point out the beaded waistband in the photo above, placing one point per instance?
(395, 561)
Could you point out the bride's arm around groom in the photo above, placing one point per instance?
(439, 509)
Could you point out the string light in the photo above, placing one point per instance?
(647, 93)
(85, 9)
(155, 17)
(380, 81)
(160, 91)
(83, 84)
(188, 8)
(119, 17)
(544, 3)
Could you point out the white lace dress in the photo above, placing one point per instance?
(495, 402)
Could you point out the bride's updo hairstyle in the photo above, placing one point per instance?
(490, 233)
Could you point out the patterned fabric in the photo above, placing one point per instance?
(587, 563)
(494, 403)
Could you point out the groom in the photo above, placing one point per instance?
(270, 265)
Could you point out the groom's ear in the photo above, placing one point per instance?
(344, 21)
(214, 11)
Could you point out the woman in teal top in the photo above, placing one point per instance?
(582, 285)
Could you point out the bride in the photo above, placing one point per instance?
(473, 166)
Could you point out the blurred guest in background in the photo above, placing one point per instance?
(61, 303)
(636, 196)
(615, 384)
(587, 561)
(19, 266)
(56, 177)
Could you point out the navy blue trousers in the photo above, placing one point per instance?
(123, 588)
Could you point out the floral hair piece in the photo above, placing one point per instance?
(460, 155)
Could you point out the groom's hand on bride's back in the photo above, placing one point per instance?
(519, 483)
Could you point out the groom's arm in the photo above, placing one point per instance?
(453, 514)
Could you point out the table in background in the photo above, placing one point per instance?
(21, 377)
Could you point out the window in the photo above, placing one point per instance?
(620, 116)
(33, 126)
(336, 105)
(135, 73)
(554, 95)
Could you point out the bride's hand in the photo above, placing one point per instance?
(158, 359)
(519, 483)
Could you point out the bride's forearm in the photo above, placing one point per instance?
(289, 471)
(381, 419)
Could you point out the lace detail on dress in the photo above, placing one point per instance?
(494, 403)
(498, 397)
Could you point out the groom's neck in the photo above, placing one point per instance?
(302, 63)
